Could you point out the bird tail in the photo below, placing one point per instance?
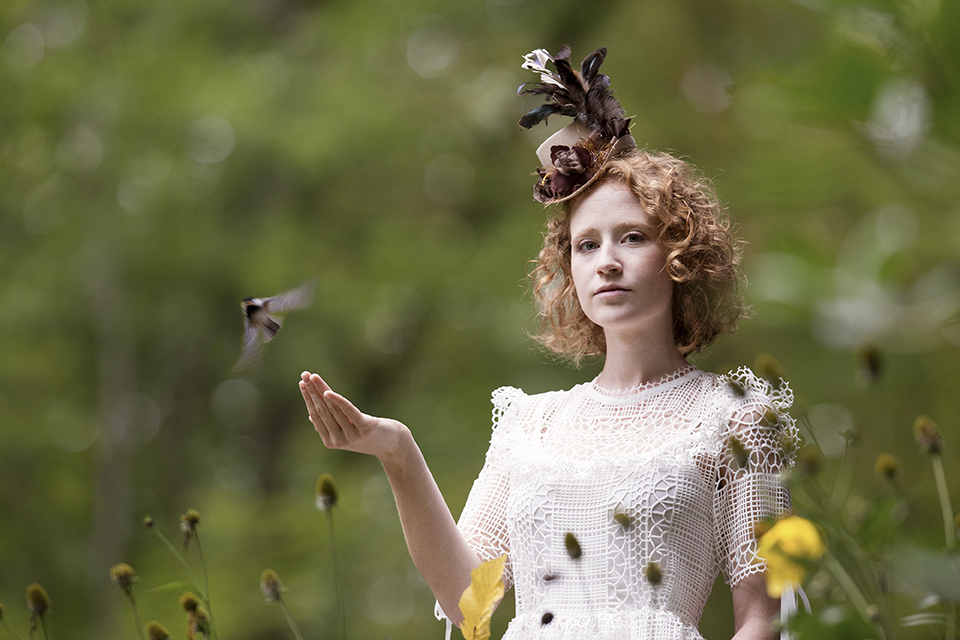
(271, 327)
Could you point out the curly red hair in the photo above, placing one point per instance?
(702, 258)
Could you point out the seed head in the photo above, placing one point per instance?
(886, 466)
(189, 602)
(770, 370)
(38, 602)
(270, 585)
(654, 573)
(870, 364)
(810, 459)
(573, 546)
(199, 621)
(326, 492)
(123, 576)
(189, 520)
(927, 435)
(188, 525)
(156, 631)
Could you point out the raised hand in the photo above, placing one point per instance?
(342, 426)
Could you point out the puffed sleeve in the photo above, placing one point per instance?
(757, 443)
(483, 521)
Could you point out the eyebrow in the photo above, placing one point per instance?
(648, 229)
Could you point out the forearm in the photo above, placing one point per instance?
(438, 550)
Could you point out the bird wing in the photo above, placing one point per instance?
(297, 298)
(250, 352)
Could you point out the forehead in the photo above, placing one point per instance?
(609, 204)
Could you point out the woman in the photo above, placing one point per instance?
(617, 501)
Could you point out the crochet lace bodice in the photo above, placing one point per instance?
(668, 478)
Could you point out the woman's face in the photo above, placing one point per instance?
(616, 263)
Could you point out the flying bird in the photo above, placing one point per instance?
(259, 323)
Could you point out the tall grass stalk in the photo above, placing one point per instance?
(336, 577)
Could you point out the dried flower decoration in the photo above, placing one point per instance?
(738, 389)
(571, 157)
(326, 492)
(123, 576)
(271, 586)
(886, 466)
(740, 453)
(572, 545)
(156, 631)
(624, 520)
(38, 602)
(927, 435)
(653, 573)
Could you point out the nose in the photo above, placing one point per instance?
(608, 259)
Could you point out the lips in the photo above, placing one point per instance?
(610, 290)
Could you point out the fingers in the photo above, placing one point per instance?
(333, 416)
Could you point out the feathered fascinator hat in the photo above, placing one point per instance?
(572, 156)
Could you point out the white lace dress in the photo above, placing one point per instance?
(671, 476)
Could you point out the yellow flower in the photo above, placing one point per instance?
(786, 549)
(886, 466)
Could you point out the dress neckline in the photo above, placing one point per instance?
(633, 394)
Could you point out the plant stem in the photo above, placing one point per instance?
(290, 620)
(136, 615)
(9, 628)
(179, 556)
(848, 585)
(945, 508)
(43, 625)
(206, 585)
(336, 578)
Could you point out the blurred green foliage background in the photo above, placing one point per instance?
(161, 161)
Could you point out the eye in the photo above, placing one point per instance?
(634, 237)
(587, 245)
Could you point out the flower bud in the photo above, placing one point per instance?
(148, 522)
(189, 602)
(156, 631)
(770, 370)
(886, 466)
(123, 576)
(927, 435)
(270, 585)
(326, 492)
(38, 602)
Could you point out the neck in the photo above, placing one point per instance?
(633, 362)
